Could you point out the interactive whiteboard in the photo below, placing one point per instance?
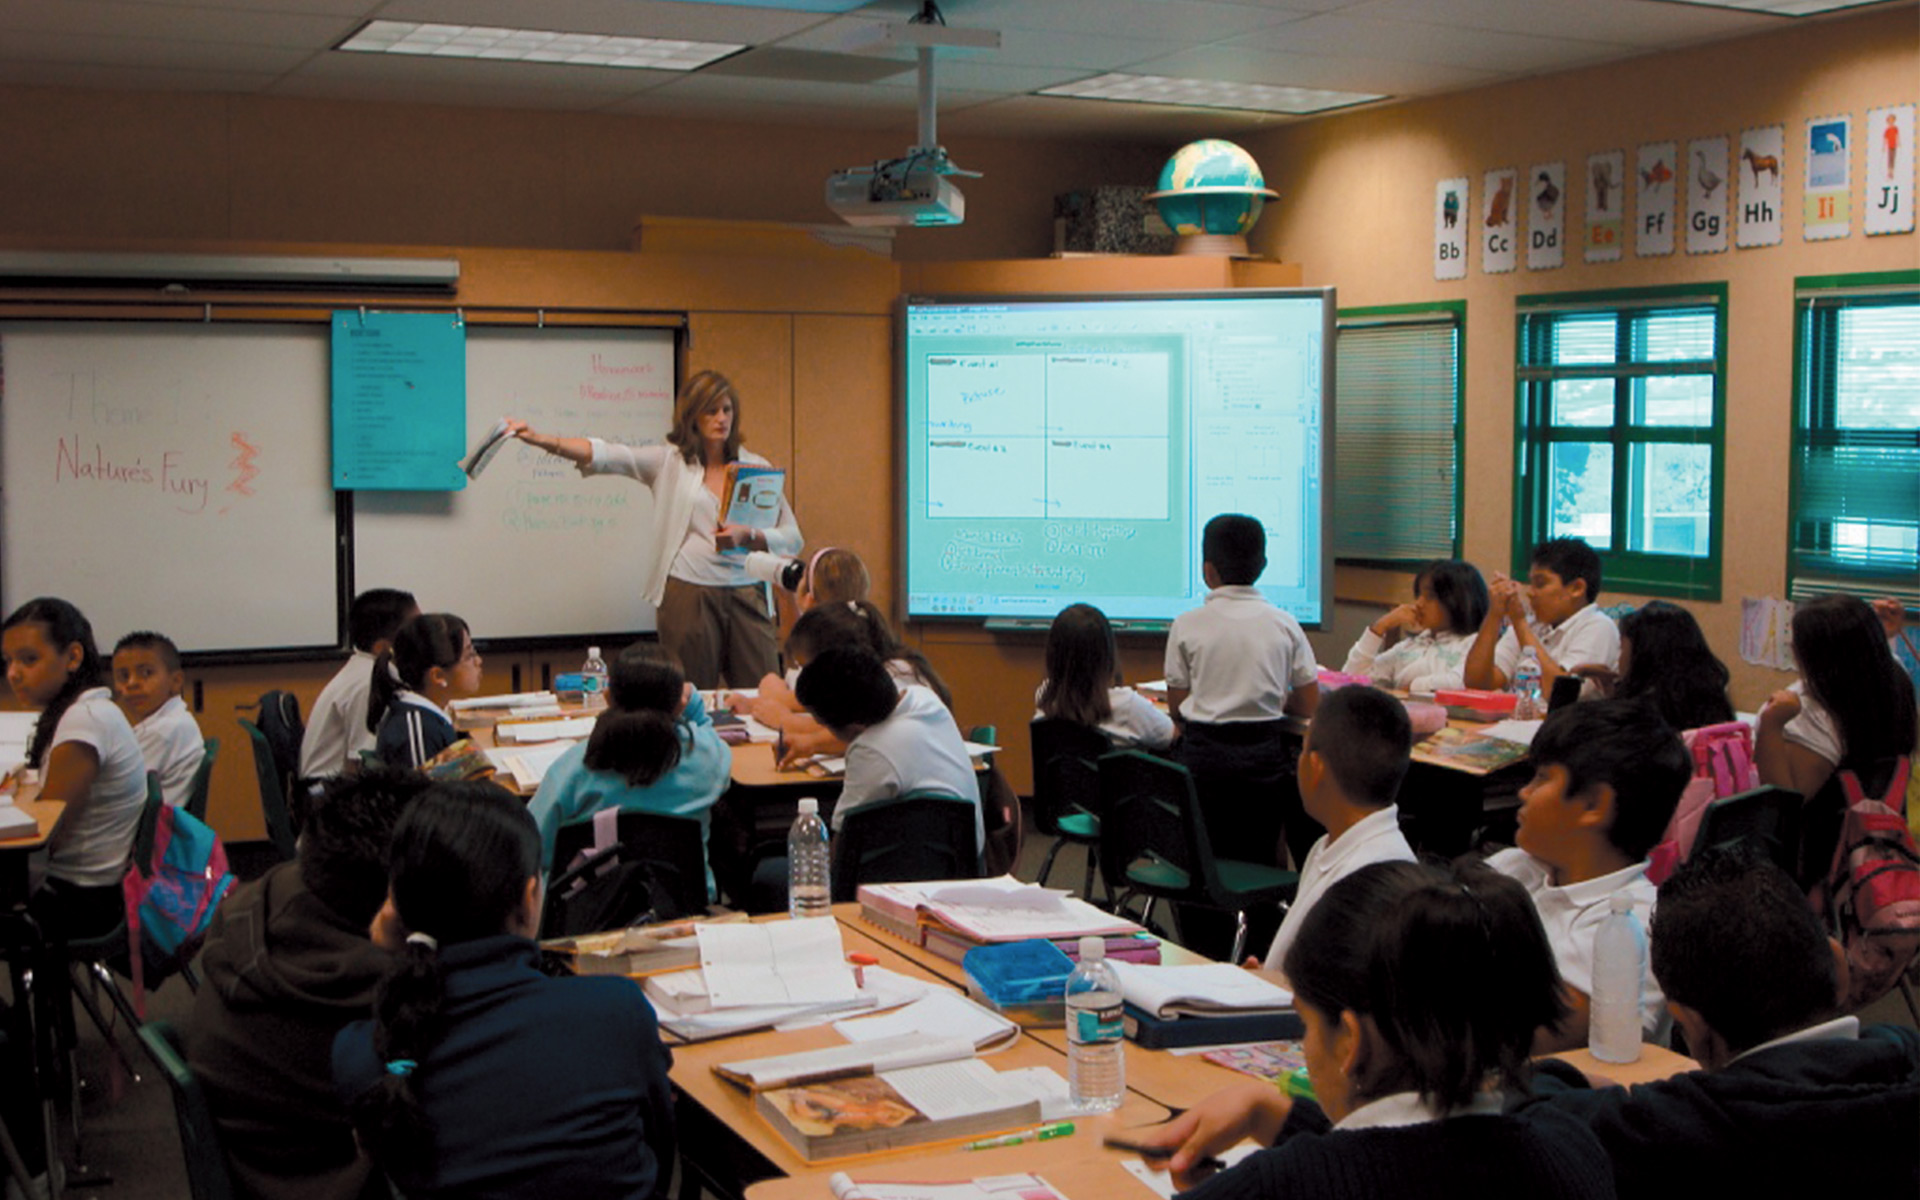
(1071, 448)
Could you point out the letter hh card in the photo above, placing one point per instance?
(1757, 215)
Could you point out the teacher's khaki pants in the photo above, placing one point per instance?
(719, 632)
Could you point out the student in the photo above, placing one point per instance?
(1420, 987)
(1853, 706)
(834, 576)
(432, 661)
(1793, 1100)
(287, 966)
(652, 750)
(1351, 766)
(1564, 629)
(1083, 683)
(850, 623)
(478, 1075)
(1236, 667)
(1422, 646)
(1607, 775)
(87, 757)
(1665, 660)
(337, 729)
(147, 684)
(898, 740)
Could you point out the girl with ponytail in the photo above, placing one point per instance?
(477, 1074)
(653, 749)
(1421, 988)
(432, 661)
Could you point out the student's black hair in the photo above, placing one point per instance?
(64, 625)
(860, 623)
(147, 639)
(847, 686)
(1671, 666)
(377, 614)
(1083, 664)
(1236, 545)
(429, 640)
(1449, 962)
(1734, 939)
(1845, 663)
(462, 856)
(1460, 590)
(1570, 559)
(638, 736)
(1365, 737)
(347, 839)
(1627, 745)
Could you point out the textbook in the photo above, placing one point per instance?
(892, 1109)
(1151, 1032)
(1202, 990)
(986, 910)
(640, 950)
(990, 1187)
(843, 1062)
(953, 945)
(488, 446)
(753, 495)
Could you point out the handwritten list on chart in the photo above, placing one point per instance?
(399, 401)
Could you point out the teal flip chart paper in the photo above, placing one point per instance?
(399, 401)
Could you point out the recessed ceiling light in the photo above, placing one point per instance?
(1206, 93)
(535, 45)
(1781, 8)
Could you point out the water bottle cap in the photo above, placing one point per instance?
(809, 806)
(1620, 902)
(1093, 949)
(593, 652)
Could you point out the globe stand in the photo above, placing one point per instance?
(1220, 245)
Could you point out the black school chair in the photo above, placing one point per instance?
(656, 865)
(208, 1176)
(908, 839)
(273, 793)
(1066, 791)
(202, 785)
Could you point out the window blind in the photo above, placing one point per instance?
(1396, 454)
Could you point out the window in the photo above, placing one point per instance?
(1856, 437)
(1621, 437)
(1397, 442)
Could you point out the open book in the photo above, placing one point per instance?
(941, 1026)
(986, 910)
(906, 1107)
(1204, 990)
(990, 1187)
(639, 950)
(487, 447)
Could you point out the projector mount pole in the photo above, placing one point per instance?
(929, 120)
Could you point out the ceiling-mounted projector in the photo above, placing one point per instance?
(916, 189)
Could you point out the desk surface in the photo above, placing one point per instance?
(46, 812)
(1079, 1166)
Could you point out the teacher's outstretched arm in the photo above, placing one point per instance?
(578, 451)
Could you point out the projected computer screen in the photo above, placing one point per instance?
(1063, 449)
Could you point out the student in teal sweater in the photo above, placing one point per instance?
(653, 750)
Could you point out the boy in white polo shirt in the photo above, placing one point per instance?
(1607, 776)
(1351, 767)
(146, 684)
(1565, 629)
(1237, 666)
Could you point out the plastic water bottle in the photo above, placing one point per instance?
(1096, 1066)
(593, 679)
(809, 888)
(1619, 963)
(1526, 685)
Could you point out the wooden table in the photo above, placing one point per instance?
(1655, 1063)
(734, 1147)
(1079, 1166)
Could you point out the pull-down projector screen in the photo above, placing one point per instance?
(1071, 448)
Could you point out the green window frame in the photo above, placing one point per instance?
(1620, 432)
(1399, 445)
(1855, 488)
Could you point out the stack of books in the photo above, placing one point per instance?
(952, 917)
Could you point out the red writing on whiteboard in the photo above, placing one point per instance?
(244, 472)
(602, 367)
(75, 461)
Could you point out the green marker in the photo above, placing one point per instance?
(1056, 1129)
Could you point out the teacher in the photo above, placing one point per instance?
(712, 616)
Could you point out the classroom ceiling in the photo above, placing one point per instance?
(798, 69)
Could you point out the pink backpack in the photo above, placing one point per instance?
(1871, 898)
(1722, 767)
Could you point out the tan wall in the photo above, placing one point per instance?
(1356, 211)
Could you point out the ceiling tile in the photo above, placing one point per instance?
(1242, 64)
(1181, 21)
(120, 77)
(1050, 116)
(1419, 41)
(1649, 23)
(148, 53)
(125, 19)
(643, 18)
(467, 81)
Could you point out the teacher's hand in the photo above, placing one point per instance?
(739, 537)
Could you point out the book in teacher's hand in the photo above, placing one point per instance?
(753, 495)
(487, 447)
(907, 1107)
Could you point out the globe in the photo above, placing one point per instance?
(1211, 190)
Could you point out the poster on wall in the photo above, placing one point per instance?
(1606, 205)
(1497, 223)
(1827, 205)
(1757, 220)
(1450, 229)
(1653, 207)
(1707, 195)
(1547, 216)
(1889, 148)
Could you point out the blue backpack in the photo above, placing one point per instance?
(178, 876)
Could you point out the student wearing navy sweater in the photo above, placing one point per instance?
(478, 1075)
(1420, 987)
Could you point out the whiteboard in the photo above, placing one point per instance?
(531, 548)
(170, 477)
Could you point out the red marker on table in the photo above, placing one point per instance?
(860, 964)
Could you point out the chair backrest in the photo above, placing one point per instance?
(273, 791)
(668, 851)
(1066, 771)
(207, 1172)
(202, 785)
(907, 839)
(1151, 818)
(1765, 818)
(144, 830)
(280, 721)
